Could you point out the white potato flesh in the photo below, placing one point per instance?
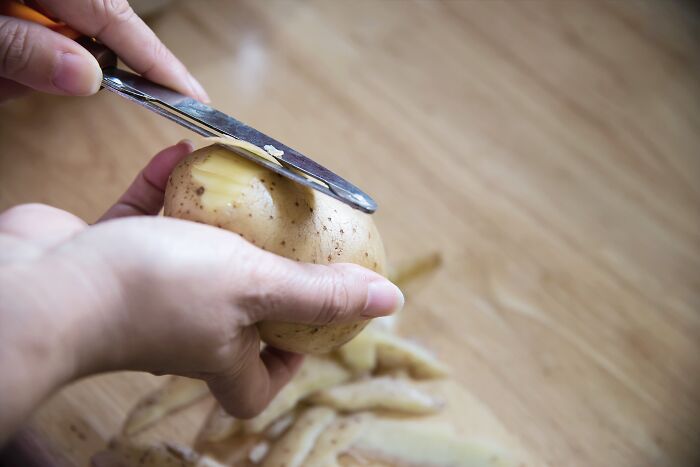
(385, 393)
(336, 439)
(416, 443)
(218, 426)
(377, 347)
(176, 394)
(315, 374)
(293, 447)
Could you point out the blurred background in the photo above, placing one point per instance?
(549, 149)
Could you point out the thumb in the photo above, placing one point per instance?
(316, 294)
(39, 58)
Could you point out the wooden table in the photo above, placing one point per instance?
(549, 149)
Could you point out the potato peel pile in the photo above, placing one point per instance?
(335, 411)
(365, 395)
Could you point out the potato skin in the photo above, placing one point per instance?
(215, 186)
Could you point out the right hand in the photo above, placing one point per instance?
(34, 57)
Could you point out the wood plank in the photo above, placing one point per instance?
(548, 149)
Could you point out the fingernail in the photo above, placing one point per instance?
(187, 142)
(199, 90)
(77, 75)
(383, 298)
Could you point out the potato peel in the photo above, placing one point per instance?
(336, 439)
(416, 443)
(385, 393)
(218, 426)
(126, 453)
(175, 395)
(316, 373)
(293, 447)
(375, 347)
(415, 269)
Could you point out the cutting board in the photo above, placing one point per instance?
(548, 149)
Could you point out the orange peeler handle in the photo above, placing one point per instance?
(21, 11)
(105, 57)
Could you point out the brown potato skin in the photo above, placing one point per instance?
(290, 220)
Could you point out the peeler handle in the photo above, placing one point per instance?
(104, 56)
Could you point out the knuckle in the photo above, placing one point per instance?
(15, 47)
(336, 302)
(261, 295)
(110, 12)
(22, 211)
(249, 406)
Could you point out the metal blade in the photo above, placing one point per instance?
(208, 121)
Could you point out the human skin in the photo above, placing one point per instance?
(34, 57)
(141, 292)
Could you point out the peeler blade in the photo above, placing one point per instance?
(207, 121)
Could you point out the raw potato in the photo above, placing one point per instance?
(386, 393)
(125, 453)
(216, 186)
(292, 448)
(177, 393)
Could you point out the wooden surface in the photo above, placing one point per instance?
(550, 150)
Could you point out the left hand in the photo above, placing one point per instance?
(163, 295)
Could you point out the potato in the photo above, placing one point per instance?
(216, 186)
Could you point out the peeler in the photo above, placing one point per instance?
(203, 119)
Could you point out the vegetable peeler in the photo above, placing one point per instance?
(203, 119)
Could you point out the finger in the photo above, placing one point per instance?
(145, 195)
(42, 225)
(248, 387)
(41, 59)
(285, 290)
(114, 23)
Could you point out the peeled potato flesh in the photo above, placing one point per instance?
(394, 394)
(177, 393)
(293, 447)
(216, 186)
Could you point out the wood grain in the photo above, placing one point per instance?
(549, 149)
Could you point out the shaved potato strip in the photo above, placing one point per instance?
(125, 453)
(378, 393)
(360, 354)
(279, 426)
(244, 145)
(374, 346)
(416, 443)
(396, 352)
(218, 426)
(316, 373)
(415, 269)
(297, 442)
(335, 439)
(176, 394)
(268, 153)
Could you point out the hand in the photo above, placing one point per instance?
(32, 56)
(168, 296)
